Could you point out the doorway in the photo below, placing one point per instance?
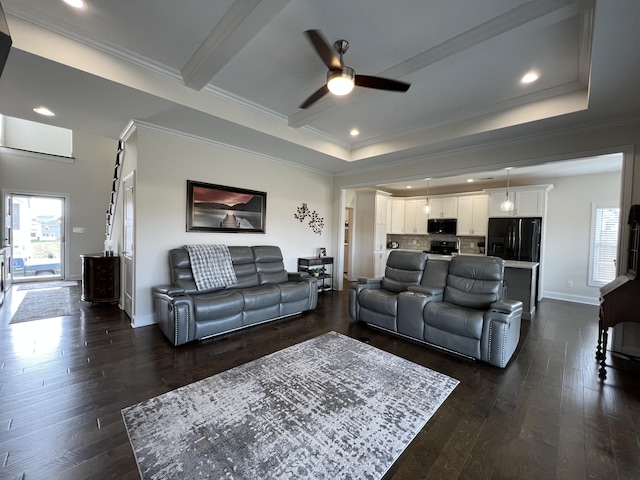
(36, 236)
(128, 247)
(348, 241)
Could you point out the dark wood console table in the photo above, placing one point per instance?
(619, 298)
(100, 278)
(325, 280)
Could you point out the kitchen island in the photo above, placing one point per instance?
(521, 279)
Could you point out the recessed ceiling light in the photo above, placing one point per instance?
(44, 111)
(529, 77)
(354, 132)
(469, 180)
(75, 3)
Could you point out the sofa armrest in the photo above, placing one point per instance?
(506, 306)
(427, 290)
(170, 290)
(500, 333)
(175, 315)
(411, 305)
(294, 276)
(354, 290)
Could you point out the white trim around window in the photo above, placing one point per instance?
(603, 243)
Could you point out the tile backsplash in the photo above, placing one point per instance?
(423, 242)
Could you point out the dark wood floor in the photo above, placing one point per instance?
(547, 415)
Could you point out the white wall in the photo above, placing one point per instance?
(87, 181)
(164, 164)
(567, 238)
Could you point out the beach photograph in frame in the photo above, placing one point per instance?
(219, 208)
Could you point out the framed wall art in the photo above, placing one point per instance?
(219, 208)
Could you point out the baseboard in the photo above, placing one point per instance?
(143, 320)
(571, 298)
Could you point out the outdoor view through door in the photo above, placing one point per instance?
(37, 235)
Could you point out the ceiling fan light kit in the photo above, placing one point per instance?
(341, 83)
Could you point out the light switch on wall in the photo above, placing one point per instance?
(78, 229)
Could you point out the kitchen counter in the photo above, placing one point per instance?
(507, 263)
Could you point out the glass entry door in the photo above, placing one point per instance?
(37, 237)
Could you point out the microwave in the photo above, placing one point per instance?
(447, 226)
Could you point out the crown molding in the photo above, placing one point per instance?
(585, 128)
(142, 125)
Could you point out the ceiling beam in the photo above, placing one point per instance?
(243, 20)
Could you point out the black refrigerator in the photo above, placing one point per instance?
(515, 238)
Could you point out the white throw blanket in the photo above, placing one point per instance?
(211, 266)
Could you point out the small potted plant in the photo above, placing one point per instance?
(316, 272)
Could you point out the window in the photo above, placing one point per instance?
(28, 136)
(604, 244)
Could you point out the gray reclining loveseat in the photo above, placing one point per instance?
(264, 291)
(455, 305)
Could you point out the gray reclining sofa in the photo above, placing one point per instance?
(455, 305)
(264, 291)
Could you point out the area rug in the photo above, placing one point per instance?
(328, 408)
(41, 285)
(43, 303)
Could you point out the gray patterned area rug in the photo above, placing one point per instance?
(43, 303)
(328, 408)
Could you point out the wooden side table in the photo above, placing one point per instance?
(100, 278)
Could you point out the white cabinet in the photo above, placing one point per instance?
(415, 218)
(443, 207)
(473, 215)
(370, 235)
(382, 202)
(379, 263)
(528, 201)
(396, 222)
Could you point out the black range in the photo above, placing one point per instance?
(443, 247)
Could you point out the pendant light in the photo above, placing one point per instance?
(427, 207)
(507, 205)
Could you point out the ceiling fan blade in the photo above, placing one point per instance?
(381, 83)
(315, 96)
(328, 56)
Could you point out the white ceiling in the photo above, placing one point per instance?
(518, 176)
(235, 71)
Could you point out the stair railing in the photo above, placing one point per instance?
(113, 198)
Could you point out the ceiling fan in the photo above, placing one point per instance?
(340, 78)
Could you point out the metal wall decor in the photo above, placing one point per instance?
(316, 222)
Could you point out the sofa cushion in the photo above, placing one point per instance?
(244, 266)
(474, 282)
(216, 305)
(293, 291)
(464, 322)
(263, 296)
(181, 275)
(269, 264)
(382, 301)
(435, 274)
(403, 269)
